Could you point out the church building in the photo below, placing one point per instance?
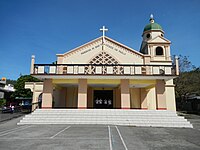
(106, 74)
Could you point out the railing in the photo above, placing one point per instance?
(34, 106)
(101, 69)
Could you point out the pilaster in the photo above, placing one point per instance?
(151, 98)
(125, 94)
(170, 95)
(82, 93)
(160, 95)
(47, 96)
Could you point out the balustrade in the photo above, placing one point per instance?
(93, 69)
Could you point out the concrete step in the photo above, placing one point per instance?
(107, 122)
(106, 116)
(153, 119)
(152, 124)
(111, 120)
(103, 115)
(103, 111)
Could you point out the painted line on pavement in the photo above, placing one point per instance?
(10, 130)
(110, 140)
(121, 138)
(47, 138)
(15, 130)
(89, 126)
(59, 132)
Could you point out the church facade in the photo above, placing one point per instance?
(104, 73)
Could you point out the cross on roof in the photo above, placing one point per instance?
(103, 30)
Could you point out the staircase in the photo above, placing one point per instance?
(150, 118)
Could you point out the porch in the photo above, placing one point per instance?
(108, 94)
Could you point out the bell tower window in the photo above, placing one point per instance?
(159, 50)
(148, 36)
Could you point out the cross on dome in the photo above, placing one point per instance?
(103, 29)
(151, 18)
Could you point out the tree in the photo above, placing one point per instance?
(184, 64)
(2, 102)
(188, 81)
(9, 81)
(19, 86)
(181, 82)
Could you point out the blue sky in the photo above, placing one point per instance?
(48, 27)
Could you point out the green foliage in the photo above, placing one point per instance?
(187, 83)
(188, 80)
(19, 86)
(25, 78)
(22, 93)
(184, 64)
(9, 81)
(2, 102)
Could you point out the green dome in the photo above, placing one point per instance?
(152, 26)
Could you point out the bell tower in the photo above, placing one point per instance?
(154, 43)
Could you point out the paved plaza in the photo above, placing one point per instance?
(9, 116)
(95, 137)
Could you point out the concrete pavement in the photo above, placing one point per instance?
(95, 137)
(9, 116)
(194, 119)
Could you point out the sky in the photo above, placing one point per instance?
(45, 28)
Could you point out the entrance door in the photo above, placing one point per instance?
(103, 99)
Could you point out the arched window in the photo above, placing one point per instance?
(159, 50)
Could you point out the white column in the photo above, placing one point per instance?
(177, 65)
(32, 64)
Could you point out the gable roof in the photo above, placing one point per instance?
(79, 47)
(159, 39)
(98, 40)
(124, 46)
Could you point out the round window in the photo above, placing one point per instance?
(148, 35)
